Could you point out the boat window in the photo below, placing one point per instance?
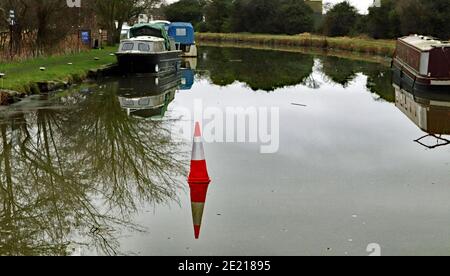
(128, 102)
(144, 102)
(124, 34)
(128, 46)
(144, 47)
(159, 47)
(180, 32)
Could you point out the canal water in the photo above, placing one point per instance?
(355, 165)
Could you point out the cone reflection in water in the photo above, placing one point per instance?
(198, 180)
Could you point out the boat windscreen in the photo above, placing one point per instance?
(148, 29)
(147, 32)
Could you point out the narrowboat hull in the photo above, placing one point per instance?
(151, 63)
(409, 80)
(422, 63)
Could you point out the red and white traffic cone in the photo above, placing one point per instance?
(198, 180)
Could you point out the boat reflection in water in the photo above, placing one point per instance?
(430, 112)
(148, 96)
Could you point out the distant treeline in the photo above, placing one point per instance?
(393, 19)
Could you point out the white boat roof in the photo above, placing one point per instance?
(424, 43)
(145, 38)
(126, 27)
(160, 21)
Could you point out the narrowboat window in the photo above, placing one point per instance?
(143, 47)
(180, 32)
(127, 46)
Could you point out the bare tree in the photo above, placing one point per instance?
(114, 13)
(41, 25)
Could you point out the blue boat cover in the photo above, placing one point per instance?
(182, 33)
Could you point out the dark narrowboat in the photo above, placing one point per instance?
(422, 63)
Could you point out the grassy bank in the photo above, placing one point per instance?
(353, 44)
(23, 76)
(357, 56)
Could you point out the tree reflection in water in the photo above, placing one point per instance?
(259, 69)
(73, 177)
(269, 70)
(344, 71)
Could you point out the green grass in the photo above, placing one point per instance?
(355, 44)
(357, 56)
(22, 76)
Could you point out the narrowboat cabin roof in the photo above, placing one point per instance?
(424, 43)
(182, 33)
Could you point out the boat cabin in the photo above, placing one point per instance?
(155, 30)
(149, 29)
(422, 63)
(427, 56)
(182, 33)
(142, 44)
